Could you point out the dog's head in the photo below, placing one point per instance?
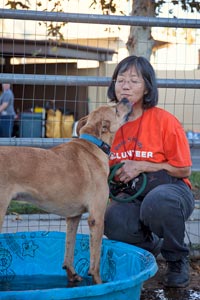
(104, 121)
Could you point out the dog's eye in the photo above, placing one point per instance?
(104, 128)
(105, 125)
(117, 112)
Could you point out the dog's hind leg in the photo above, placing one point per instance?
(96, 224)
(72, 226)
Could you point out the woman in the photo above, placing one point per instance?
(152, 141)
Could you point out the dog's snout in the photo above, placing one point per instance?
(126, 107)
(124, 101)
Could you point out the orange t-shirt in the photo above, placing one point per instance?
(157, 136)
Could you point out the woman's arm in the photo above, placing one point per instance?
(132, 169)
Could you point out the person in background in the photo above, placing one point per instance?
(151, 141)
(7, 112)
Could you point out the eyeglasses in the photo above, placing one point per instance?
(131, 82)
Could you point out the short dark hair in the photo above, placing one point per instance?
(143, 67)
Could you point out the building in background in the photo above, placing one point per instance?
(26, 49)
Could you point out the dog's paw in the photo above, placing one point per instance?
(95, 278)
(72, 276)
(75, 278)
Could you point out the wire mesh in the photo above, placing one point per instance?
(56, 79)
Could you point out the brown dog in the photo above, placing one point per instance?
(68, 180)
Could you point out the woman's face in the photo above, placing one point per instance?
(130, 85)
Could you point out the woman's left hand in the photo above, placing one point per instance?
(129, 170)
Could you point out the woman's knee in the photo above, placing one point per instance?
(118, 215)
(165, 204)
(154, 206)
(122, 223)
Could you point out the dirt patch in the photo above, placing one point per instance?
(154, 290)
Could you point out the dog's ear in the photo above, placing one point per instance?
(80, 124)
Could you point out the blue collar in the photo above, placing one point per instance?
(103, 146)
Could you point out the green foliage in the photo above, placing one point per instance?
(186, 5)
(107, 6)
(195, 179)
(110, 6)
(18, 4)
(21, 207)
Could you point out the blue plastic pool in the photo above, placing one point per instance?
(31, 268)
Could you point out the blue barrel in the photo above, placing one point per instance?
(31, 125)
(6, 125)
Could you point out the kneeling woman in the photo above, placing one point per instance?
(151, 141)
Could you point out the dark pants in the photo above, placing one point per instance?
(163, 211)
(6, 125)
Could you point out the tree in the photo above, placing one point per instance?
(140, 41)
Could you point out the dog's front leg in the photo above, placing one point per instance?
(72, 226)
(4, 203)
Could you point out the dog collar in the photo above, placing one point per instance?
(101, 144)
